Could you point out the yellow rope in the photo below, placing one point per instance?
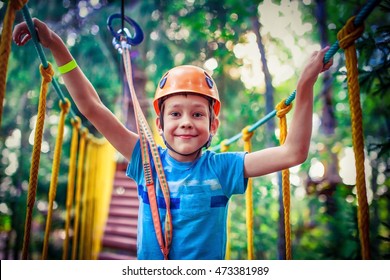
(96, 188)
(282, 109)
(90, 203)
(225, 148)
(79, 186)
(105, 173)
(347, 37)
(5, 45)
(65, 106)
(47, 75)
(247, 136)
(76, 124)
(83, 203)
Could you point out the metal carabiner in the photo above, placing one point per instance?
(120, 44)
(134, 40)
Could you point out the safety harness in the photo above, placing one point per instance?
(147, 144)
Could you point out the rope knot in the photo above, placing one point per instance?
(84, 132)
(76, 122)
(224, 146)
(47, 73)
(65, 106)
(246, 135)
(282, 109)
(349, 33)
(18, 4)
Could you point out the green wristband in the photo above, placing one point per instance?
(67, 67)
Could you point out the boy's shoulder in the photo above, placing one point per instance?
(224, 160)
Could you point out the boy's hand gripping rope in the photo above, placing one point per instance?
(146, 141)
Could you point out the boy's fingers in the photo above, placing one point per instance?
(324, 50)
(25, 38)
(38, 24)
(327, 65)
(17, 30)
(19, 33)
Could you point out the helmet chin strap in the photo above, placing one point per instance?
(206, 145)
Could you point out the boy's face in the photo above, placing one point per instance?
(186, 124)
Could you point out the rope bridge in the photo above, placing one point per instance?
(91, 159)
(91, 203)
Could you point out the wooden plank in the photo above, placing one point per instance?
(120, 230)
(119, 242)
(120, 234)
(123, 212)
(131, 202)
(122, 221)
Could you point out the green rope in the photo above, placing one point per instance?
(41, 54)
(359, 19)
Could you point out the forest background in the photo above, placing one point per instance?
(255, 51)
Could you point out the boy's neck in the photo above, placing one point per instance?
(185, 158)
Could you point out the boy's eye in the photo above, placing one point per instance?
(198, 115)
(175, 114)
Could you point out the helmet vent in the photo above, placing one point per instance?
(209, 81)
(163, 81)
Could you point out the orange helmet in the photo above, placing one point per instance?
(187, 79)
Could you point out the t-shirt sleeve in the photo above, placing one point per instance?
(229, 168)
(134, 168)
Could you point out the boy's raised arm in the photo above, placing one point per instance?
(81, 90)
(295, 149)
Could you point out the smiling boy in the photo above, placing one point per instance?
(187, 106)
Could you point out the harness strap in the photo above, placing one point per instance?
(147, 141)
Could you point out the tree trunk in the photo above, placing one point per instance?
(328, 120)
(270, 130)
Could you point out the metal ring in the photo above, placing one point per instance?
(138, 34)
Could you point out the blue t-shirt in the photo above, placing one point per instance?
(199, 195)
